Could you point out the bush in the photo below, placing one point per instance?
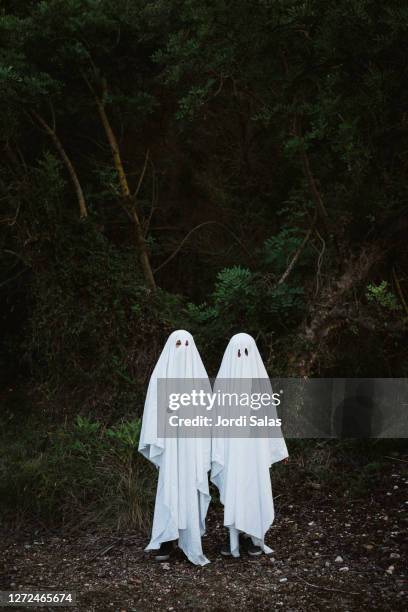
(87, 473)
(95, 331)
(243, 301)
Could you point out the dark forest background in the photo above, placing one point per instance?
(216, 166)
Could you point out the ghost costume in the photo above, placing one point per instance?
(182, 496)
(240, 466)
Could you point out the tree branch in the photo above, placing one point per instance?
(180, 246)
(83, 212)
(127, 198)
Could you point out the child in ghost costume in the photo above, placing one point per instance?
(240, 466)
(182, 496)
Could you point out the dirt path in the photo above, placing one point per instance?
(110, 571)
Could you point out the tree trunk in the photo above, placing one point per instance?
(127, 196)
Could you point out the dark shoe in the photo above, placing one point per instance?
(245, 542)
(254, 551)
(166, 548)
(226, 549)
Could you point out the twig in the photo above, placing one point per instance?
(319, 261)
(316, 586)
(298, 252)
(295, 257)
(395, 458)
(11, 220)
(104, 550)
(13, 277)
(180, 246)
(154, 199)
(139, 184)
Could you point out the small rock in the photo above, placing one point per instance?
(338, 559)
(394, 556)
(390, 570)
(283, 580)
(344, 569)
(165, 566)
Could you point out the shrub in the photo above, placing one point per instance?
(85, 472)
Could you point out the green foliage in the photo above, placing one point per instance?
(127, 433)
(242, 301)
(279, 248)
(84, 470)
(381, 295)
(250, 113)
(91, 314)
(234, 287)
(286, 302)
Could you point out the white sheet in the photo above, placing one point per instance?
(182, 496)
(240, 466)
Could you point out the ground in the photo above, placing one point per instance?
(329, 553)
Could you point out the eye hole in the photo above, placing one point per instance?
(246, 351)
(178, 343)
(186, 342)
(239, 352)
